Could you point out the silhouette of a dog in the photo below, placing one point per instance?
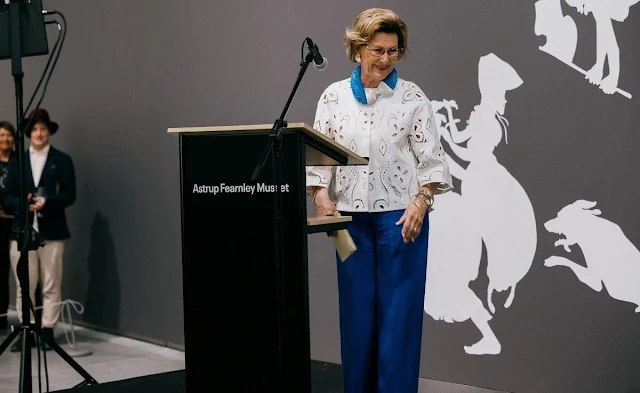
(610, 257)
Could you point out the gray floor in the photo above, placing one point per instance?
(327, 378)
(431, 386)
(113, 358)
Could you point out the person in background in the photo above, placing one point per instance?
(7, 144)
(381, 286)
(51, 188)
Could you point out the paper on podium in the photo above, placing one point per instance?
(343, 242)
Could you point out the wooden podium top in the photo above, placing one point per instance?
(326, 224)
(311, 221)
(313, 156)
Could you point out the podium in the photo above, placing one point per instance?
(233, 326)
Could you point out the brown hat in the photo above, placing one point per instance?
(41, 115)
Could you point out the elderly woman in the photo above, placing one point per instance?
(381, 286)
(7, 140)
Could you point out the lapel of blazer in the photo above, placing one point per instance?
(29, 183)
(47, 165)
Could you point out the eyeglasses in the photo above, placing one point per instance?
(379, 52)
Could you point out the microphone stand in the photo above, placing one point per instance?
(274, 143)
(22, 268)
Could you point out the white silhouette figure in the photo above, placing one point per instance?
(609, 255)
(551, 23)
(561, 31)
(455, 248)
(503, 211)
(492, 208)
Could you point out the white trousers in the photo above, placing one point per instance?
(45, 267)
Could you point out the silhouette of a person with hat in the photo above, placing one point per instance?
(604, 12)
(493, 208)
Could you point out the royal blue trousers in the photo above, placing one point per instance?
(381, 299)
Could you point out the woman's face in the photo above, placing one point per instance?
(6, 140)
(378, 58)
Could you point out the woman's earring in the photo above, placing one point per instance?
(358, 58)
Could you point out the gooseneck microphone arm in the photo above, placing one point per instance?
(312, 56)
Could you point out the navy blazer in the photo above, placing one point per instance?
(59, 180)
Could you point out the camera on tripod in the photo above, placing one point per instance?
(33, 242)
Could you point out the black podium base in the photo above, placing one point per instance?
(229, 268)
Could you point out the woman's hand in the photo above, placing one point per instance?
(413, 216)
(324, 205)
(411, 220)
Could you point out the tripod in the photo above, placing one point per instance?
(28, 239)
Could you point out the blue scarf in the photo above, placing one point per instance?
(358, 88)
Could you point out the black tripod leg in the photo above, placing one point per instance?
(7, 341)
(25, 360)
(88, 379)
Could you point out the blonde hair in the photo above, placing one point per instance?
(370, 22)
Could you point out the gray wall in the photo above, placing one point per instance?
(129, 70)
(114, 92)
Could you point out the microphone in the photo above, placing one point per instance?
(319, 62)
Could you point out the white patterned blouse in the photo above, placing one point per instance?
(396, 131)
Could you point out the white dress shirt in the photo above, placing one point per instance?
(38, 159)
(397, 132)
